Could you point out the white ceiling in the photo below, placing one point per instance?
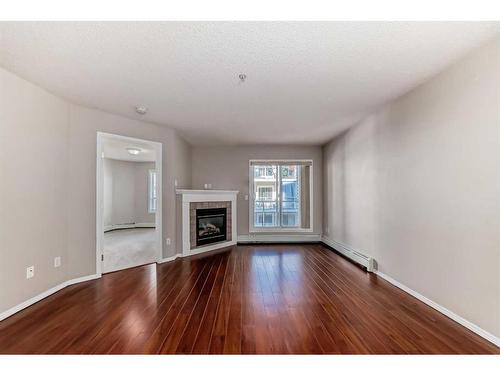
(306, 81)
(114, 148)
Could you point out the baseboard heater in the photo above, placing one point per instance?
(355, 256)
(255, 238)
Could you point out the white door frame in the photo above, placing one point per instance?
(158, 147)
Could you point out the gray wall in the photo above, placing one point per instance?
(417, 186)
(126, 192)
(48, 185)
(226, 167)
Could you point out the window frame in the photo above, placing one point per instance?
(252, 228)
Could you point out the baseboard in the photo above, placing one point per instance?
(108, 228)
(31, 301)
(278, 238)
(82, 279)
(349, 252)
(169, 259)
(443, 310)
(39, 297)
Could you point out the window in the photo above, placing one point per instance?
(266, 193)
(289, 220)
(152, 192)
(280, 195)
(264, 172)
(265, 219)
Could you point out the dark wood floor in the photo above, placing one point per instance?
(249, 299)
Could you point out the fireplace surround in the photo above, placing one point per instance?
(215, 217)
(205, 215)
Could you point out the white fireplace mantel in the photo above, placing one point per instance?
(188, 196)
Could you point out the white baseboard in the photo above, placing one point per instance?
(264, 237)
(443, 310)
(45, 294)
(31, 301)
(107, 228)
(351, 253)
(82, 279)
(169, 259)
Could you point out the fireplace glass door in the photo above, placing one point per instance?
(210, 225)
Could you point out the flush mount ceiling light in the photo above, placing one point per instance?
(141, 110)
(133, 151)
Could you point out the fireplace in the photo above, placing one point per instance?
(210, 225)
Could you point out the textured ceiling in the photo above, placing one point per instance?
(306, 81)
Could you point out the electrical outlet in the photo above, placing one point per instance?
(175, 183)
(246, 197)
(168, 241)
(57, 262)
(205, 186)
(30, 272)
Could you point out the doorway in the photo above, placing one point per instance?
(129, 204)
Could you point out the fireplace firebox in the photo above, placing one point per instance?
(210, 225)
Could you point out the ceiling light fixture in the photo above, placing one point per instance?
(141, 110)
(133, 151)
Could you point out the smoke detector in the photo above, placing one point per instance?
(141, 110)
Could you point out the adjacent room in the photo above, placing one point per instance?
(130, 201)
(250, 187)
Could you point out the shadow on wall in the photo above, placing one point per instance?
(352, 188)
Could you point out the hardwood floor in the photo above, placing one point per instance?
(249, 299)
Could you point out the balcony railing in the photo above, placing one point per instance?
(271, 206)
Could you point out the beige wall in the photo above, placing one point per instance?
(126, 192)
(48, 185)
(84, 125)
(33, 189)
(417, 186)
(226, 167)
